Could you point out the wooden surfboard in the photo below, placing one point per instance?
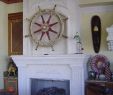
(96, 32)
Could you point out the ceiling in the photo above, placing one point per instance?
(11, 1)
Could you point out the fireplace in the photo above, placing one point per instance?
(49, 87)
(62, 69)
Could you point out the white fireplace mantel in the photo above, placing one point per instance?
(54, 67)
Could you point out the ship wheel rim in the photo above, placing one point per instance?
(50, 42)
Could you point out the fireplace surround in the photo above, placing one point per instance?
(52, 67)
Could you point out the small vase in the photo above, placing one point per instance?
(92, 75)
(102, 77)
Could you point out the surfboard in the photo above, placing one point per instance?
(96, 32)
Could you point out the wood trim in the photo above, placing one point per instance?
(11, 1)
(14, 16)
(13, 19)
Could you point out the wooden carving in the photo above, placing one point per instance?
(96, 32)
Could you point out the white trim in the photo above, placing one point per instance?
(100, 9)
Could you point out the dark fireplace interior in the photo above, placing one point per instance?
(50, 87)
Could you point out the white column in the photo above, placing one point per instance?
(77, 78)
(22, 83)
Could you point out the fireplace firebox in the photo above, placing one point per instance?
(50, 87)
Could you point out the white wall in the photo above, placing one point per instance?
(69, 8)
(3, 40)
(16, 7)
(4, 10)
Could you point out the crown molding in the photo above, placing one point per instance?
(11, 1)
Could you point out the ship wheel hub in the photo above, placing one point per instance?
(45, 27)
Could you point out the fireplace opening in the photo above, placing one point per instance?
(50, 87)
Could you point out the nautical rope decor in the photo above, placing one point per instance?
(101, 65)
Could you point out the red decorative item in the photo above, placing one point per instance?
(10, 89)
(108, 73)
(100, 65)
(11, 85)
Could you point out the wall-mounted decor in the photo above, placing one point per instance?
(96, 32)
(109, 39)
(15, 33)
(46, 27)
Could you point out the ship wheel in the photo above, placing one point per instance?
(46, 27)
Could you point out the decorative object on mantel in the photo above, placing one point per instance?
(46, 27)
(78, 44)
(110, 38)
(96, 32)
(99, 66)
